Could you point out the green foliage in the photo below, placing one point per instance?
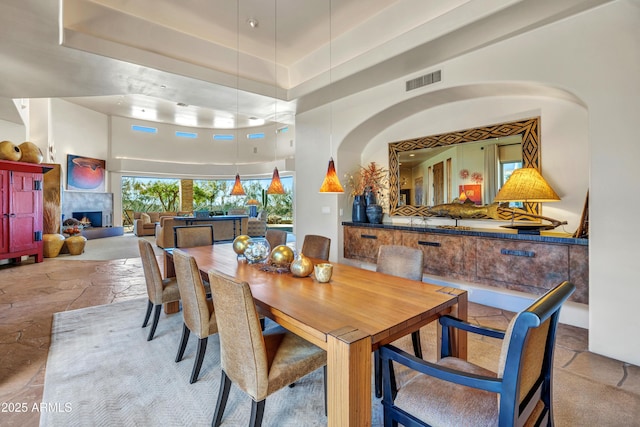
(162, 194)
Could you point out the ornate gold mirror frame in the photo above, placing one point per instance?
(529, 129)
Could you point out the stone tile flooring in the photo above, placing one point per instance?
(31, 292)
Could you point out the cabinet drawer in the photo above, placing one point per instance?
(443, 255)
(532, 267)
(363, 243)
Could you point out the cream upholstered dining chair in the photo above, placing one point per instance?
(315, 246)
(406, 262)
(455, 392)
(258, 363)
(159, 290)
(276, 237)
(188, 236)
(197, 310)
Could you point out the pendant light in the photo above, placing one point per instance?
(276, 185)
(331, 183)
(237, 189)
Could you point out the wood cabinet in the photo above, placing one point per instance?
(531, 264)
(21, 216)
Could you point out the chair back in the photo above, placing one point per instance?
(526, 360)
(276, 237)
(152, 275)
(401, 261)
(195, 308)
(243, 355)
(188, 236)
(316, 246)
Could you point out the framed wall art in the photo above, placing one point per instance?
(85, 173)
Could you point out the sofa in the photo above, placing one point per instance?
(223, 229)
(144, 223)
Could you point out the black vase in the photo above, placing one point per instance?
(359, 212)
(374, 214)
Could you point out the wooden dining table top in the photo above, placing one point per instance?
(383, 306)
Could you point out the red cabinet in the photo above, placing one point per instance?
(21, 216)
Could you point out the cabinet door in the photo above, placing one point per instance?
(362, 242)
(525, 266)
(450, 256)
(25, 206)
(4, 206)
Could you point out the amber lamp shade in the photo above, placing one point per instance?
(276, 185)
(526, 185)
(331, 183)
(253, 202)
(237, 189)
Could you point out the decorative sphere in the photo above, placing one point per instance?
(302, 266)
(281, 256)
(240, 243)
(257, 250)
(31, 153)
(10, 151)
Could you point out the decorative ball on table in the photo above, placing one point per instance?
(302, 266)
(257, 250)
(240, 244)
(281, 256)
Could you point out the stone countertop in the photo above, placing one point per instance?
(545, 236)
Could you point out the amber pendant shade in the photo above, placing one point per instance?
(331, 183)
(237, 189)
(276, 185)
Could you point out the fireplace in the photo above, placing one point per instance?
(95, 218)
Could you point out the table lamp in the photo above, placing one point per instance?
(527, 185)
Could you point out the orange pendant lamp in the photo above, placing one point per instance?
(276, 185)
(331, 183)
(237, 189)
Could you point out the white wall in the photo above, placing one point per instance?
(580, 76)
(12, 132)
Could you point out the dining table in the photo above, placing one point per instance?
(350, 317)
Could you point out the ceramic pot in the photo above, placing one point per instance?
(75, 244)
(374, 214)
(301, 266)
(369, 198)
(323, 272)
(52, 244)
(359, 212)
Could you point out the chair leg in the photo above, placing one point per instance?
(146, 317)
(257, 411)
(202, 348)
(223, 395)
(325, 390)
(183, 342)
(377, 361)
(154, 325)
(417, 346)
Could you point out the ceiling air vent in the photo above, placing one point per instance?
(427, 79)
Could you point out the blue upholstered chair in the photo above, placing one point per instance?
(455, 392)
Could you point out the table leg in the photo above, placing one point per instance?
(348, 378)
(459, 339)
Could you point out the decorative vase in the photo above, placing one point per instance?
(52, 244)
(75, 244)
(301, 266)
(374, 214)
(369, 197)
(359, 212)
(257, 250)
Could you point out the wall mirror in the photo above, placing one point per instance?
(437, 169)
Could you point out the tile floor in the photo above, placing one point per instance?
(30, 293)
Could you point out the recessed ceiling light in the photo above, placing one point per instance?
(182, 104)
(253, 23)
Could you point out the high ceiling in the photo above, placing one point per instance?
(179, 61)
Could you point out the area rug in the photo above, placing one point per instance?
(101, 371)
